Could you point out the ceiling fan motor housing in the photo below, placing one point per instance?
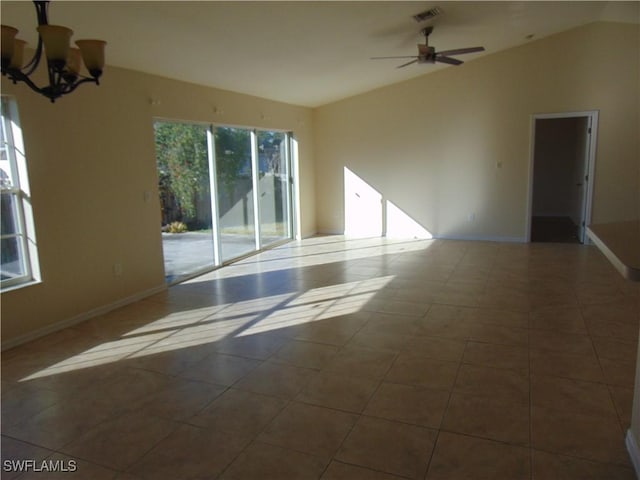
(426, 54)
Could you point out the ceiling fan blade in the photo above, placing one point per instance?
(460, 51)
(449, 60)
(383, 58)
(408, 63)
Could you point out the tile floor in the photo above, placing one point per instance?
(343, 359)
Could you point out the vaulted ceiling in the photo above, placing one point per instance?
(305, 53)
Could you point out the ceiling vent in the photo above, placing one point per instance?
(428, 15)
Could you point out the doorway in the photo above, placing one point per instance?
(561, 177)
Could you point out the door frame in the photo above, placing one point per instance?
(592, 125)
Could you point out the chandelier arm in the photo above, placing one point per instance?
(56, 88)
(42, 8)
(30, 67)
(17, 76)
(70, 87)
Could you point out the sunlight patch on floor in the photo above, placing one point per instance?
(248, 318)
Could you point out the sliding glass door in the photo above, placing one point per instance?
(185, 193)
(225, 193)
(273, 187)
(234, 172)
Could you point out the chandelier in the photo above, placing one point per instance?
(63, 61)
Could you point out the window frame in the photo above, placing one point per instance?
(18, 190)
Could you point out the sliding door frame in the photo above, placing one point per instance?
(255, 163)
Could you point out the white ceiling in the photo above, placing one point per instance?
(305, 53)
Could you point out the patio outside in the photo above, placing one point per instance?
(186, 254)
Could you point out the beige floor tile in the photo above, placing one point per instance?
(343, 471)
(361, 362)
(585, 436)
(390, 342)
(489, 418)
(310, 429)
(561, 342)
(497, 356)
(412, 369)
(563, 300)
(25, 401)
(580, 367)
(501, 317)
(441, 327)
(446, 312)
(239, 412)
(336, 330)
(305, 354)
(507, 298)
(613, 328)
(436, 348)
(623, 400)
(389, 447)
(558, 319)
(452, 295)
(397, 307)
(180, 400)
(63, 466)
(15, 450)
(69, 375)
(123, 390)
(262, 460)
(599, 294)
(406, 290)
(276, 379)
(571, 395)
(220, 369)
(472, 336)
(618, 373)
(170, 362)
(499, 335)
(548, 466)
(342, 392)
(624, 311)
(467, 273)
(614, 349)
(190, 452)
(120, 443)
(458, 456)
(388, 323)
(258, 347)
(65, 421)
(508, 385)
(127, 476)
(409, 404)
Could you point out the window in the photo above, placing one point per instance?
(18, 252)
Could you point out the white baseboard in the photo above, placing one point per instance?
(473, 238)
(482, 238)
(69, 322)
(634, 451)
(329, 231)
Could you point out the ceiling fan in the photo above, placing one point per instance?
(427, 54)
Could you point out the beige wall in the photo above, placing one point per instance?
(91, 159)
(432, 145)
